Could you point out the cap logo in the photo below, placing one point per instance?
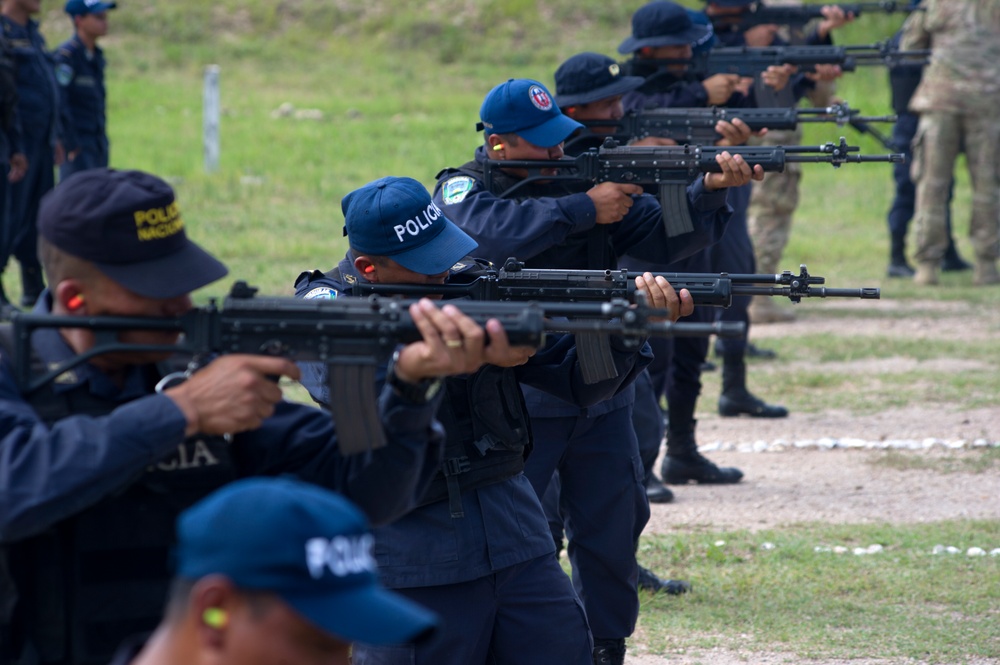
(341, 555)
(540, 98)
(614, 69)
(158, 223)
(413, 227)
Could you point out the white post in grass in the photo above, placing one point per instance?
(210, 122)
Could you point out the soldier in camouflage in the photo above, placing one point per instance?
(957, 102)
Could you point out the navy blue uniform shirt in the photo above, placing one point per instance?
(503, 524)
(38, 92)
(80, 75)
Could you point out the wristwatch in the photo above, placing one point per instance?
(420, 392)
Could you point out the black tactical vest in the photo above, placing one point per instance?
(487, 432)
(95, 578)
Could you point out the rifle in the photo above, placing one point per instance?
(697, 125)
(672, 168)
(759, 14)
(514, 283)
(750, 61)
(351, 336)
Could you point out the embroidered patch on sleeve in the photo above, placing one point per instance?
(454, 190)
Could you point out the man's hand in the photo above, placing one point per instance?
(18, 167)
(59, 154)
(720, 87)
(733, 133)
(612, 200)
(454, 344)
(833, 18)
(234, 393)
(653, 142)
(761, 35)
(735, 172)
(776, 76)
(825, 73)
(661, 295)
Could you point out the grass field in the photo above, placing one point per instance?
(399, 85)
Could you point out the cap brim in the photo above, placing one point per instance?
(446, 249)
(369, 614)
(619, 87)
(689, 36)
(169, 276)
(552, 132)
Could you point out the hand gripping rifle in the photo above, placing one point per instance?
(697, 125)
(672, 168)
(351, 336)
(760, 14)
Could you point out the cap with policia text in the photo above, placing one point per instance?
(84, 7)
(525, 107)
(591, 77)
(396, 218)
(661, 23)
(129, 226)
(309, 546)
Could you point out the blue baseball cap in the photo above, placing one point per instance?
(309, 546)
(706, 43)
(661, 23)
(590, 77)
(525, 107)
(82, 7)
(395, 217)
(128, 224)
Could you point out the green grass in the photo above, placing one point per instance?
(399, 85)
(903, 602)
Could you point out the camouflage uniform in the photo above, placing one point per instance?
(957, 101)
(775, 198)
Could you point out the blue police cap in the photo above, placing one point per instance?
(590, 77)
(82, 7)
(661, 23)
(733, 3)
(395, 217)
(307, 545)
(525, 107)
(705, 43)
(128, 224)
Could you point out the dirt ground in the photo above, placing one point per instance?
(823, 466)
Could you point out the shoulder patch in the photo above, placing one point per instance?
(321, 293)
(64, 74)
(454, 190)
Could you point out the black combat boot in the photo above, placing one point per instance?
(650, 581)
(736, 399)
(31, 285)
(609, 652)
(898, 267)
(684, 464)
(951, 261)
(656, 491)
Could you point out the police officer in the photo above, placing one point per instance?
(559, 224)
(80, 73)
(271, 571)
(590, 86)
(95, 466)
(39, 111)
(477, 551)
(13, 162)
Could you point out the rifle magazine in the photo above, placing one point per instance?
(676, 216)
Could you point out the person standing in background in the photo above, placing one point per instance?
(80, 72)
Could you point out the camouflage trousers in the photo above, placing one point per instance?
(940, 138)
(772, 204)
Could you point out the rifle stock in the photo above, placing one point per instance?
(760, 14)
